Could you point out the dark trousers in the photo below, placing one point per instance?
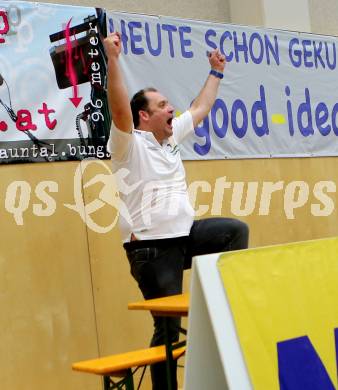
(158, 265)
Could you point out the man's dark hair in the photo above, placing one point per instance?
(139, 102)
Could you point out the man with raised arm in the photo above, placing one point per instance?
(160, 235)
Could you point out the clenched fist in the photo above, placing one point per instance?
(112, 45)
(217, 60)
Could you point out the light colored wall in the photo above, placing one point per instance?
(47, 312)
(64, 288)
(246, 12)
(214, 10)
(287, 14)
(316, 16)
(324, 16)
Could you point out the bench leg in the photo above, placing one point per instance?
(126, 383)
(169, 351)
(129, 381)
(169, 354)
(106, 383)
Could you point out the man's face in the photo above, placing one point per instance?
(160, 115)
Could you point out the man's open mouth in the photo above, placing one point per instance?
(169, 121)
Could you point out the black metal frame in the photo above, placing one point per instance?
(169, 348)
(126, 383)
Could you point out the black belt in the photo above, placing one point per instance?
(159, 243)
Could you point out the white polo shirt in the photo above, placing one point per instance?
(154, 201)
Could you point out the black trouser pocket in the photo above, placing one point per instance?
(141, 262)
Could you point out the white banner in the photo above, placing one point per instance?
(278, 97)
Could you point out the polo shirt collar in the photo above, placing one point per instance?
(148, 135)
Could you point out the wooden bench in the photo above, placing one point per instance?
(169, 306)
(121, 365)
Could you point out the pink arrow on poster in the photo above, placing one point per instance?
(76, 100)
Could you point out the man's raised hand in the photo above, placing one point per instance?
(112, 45)
(217, 60)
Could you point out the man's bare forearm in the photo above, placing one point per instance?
(117, 90)
(118, 97)
(205, 99)
(207, 96)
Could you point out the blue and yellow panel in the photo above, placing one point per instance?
(284, 300)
